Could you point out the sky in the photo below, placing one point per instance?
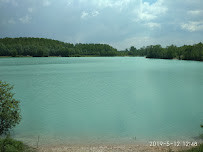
(120, 23)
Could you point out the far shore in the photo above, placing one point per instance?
(91, 56)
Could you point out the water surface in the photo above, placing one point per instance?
(106, 98)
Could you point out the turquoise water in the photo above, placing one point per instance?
(106, 98)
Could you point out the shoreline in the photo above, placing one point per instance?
(53, 145)
(109, 148)
(92, 56)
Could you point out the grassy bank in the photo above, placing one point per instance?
(11, 145)
(195, 149)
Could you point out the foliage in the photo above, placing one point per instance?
(40, 47)
(186, 52)
(11, 145)
(9, 108)
(195, 149)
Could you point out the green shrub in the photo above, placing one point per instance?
(195, 149)
(11, 145)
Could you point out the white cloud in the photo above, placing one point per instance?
(95, 13)
(146, 16)
(104, 3)
(85, 14)
(46, 3)
(195, 12)
(26, 19)
(148, 12)
(193, 26)
(121, 4)
(123, 22)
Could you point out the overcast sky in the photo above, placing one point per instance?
(120, 23)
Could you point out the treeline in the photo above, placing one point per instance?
(186, 52)
(41, 47)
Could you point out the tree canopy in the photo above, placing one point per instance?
(41, 47)
(9, 108)
(186, 52)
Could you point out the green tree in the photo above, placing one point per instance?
(14, 53)
(9, 108)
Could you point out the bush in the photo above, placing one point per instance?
(195, 149)
(11, 145)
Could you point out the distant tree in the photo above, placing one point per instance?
(133, 51)
(9, 108)
(14, 53)
(38, 47)
(170, 52)
(3, 50)
(154, 51)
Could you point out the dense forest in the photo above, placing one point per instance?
(186, 52)
(41, 47)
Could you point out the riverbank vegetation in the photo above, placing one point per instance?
(10, 145)
(41, 47)
(186, 52)
(9, 118)
(195, 149)
(9, 109)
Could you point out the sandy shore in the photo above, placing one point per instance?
(60, 145)
(109, 148)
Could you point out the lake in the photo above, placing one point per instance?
(106, 98)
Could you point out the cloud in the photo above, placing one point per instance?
(95, 13)
(192, 26)
(195, 12)
(148, 12)
(104, 3)
(26, 19)
(85, 14)
(46, 3)
(146, 16)
(118, 22)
